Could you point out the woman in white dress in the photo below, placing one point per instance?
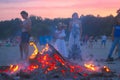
(75, 29)
(60, 42)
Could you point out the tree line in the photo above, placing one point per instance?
(92, 26)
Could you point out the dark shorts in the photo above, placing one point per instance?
(103, 42)
(25, 37)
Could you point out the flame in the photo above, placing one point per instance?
(35, 51)
(90, 67)
(49, 62)
(45, 49)
(106, 69)
(14, 68)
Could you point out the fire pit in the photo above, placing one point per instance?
(48, 64)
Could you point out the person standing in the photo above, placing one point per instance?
(60, 42)
(103, 40)
(25, 35)
(75, 28)
(115, 38)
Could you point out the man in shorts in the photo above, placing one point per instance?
(26, 28)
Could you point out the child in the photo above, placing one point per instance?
(60, 42)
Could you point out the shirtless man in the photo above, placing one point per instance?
(26, 27)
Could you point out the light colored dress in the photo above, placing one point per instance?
(74, 35)
(74, 41)
(60, 43)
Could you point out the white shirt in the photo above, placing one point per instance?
(104, 37)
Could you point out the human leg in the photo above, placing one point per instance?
(119, 49)
(26, 50)
(21, 50)
(112, 47)
(26, 44)
(104, 43)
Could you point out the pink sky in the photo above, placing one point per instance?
(10, 9)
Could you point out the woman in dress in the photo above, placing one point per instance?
(60, 42)
(75, 29)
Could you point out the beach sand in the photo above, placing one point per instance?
(11, 55)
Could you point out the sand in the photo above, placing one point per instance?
(11, 55)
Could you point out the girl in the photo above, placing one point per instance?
(60, 42)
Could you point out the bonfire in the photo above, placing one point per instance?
(49, 64)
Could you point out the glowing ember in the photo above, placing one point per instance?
(33, 67)
(57, 57)
(106, 69)
(4, 69)
(35, 51)
(14, 68)
(45, 49)
(91, 67)
(49, 59)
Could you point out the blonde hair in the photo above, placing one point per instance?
(62, 25)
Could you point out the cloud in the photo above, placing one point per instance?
(59, 8)
(97, 4)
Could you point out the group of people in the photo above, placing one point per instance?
(75, 29)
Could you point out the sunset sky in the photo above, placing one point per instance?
(10, 9)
